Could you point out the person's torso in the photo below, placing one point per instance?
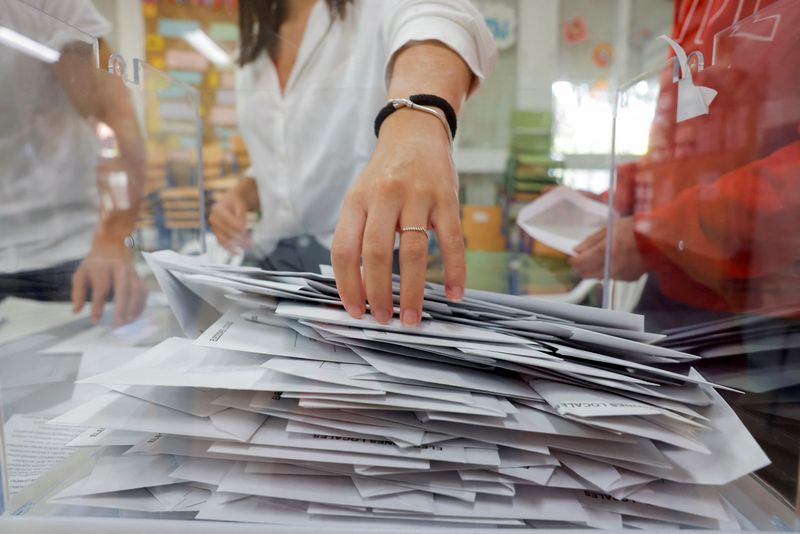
(754, 65)
(309, 143)
(47, 179)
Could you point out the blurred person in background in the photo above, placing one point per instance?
(56, 244)
(711, 212)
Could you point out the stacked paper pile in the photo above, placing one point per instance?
(755, 352)
(497, 410)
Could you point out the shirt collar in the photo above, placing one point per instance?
(317, 27)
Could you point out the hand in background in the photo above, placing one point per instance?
(228, 221)
(626, 262)
(109, 267)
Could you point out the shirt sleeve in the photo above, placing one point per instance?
(80, 14)
(455, 23)
(742, 226)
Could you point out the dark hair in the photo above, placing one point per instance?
(259, 22)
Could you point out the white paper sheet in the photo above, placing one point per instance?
(117, 411)
(562, 218)
(426, 328)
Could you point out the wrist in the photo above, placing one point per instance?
(408, 124)
(109, 245)
(421, 104)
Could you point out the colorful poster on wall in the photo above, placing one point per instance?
(602, 55)
(502, 21)
(170, 47)
(574, 30)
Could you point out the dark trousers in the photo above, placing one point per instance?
(51, 284)
(303, 254)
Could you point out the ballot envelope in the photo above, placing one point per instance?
(248, 398)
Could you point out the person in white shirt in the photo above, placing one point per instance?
(54, 242)
(313, 75)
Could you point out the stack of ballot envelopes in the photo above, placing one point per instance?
(498, 411)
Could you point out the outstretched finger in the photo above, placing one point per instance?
(446, 220)
(122, 287)
(100, 281)
(79, 290)
(346, 257)
(413, 262)
(378, 253)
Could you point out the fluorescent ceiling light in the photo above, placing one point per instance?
(28, 46)
(206, 46)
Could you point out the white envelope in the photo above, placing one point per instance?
(138, 500)
(583, 402)
(734, 452)
(274, 432)
(394, 401)
(234, 332)
(289, 409)
(601, 475)
(441, 373)
(176, 362)
(538, 475)
(531, 420)
(98, 437)
(193, 401)
(376, 518)
(191, 311)
(205, 470)
(117, 411)
(562, 218)
(289, 384)
(426, 328)
(562, 310)
(114, 473)
(322, 489)
(600, 501)
(566, 367)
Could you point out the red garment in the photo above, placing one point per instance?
(717, 198)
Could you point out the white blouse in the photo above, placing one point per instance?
(309, 144)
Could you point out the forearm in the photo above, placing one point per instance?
(430, 68)
(116, 110)
(104, 98)
(424, 68)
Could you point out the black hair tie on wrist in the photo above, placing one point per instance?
(421, 100)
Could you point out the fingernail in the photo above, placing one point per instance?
(409, 317)
(354, 311)
(454, 292)
(382, 316)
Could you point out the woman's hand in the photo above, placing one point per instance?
(228, 220)
(410, 181)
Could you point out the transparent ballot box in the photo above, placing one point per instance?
(93, 174)
(150, 380)
(173, 210)
(703, 240)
